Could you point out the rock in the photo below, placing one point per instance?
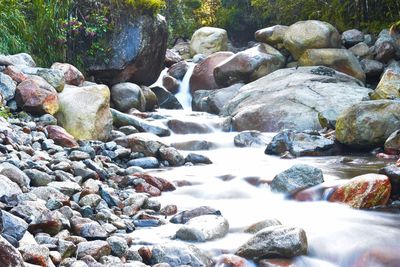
(150, 97)
(197, 159)
(277, 263)
(360, 50)
(138, 45)
(248, 65)
(193, 145)
(292, 98)
(364, 191)
(46, 193)
(339, 59)
(146, 143)
(15, 73)
(178, 70)
(379, 256)
(250, 139)
(35, 254)
(254, 228)
(96, 249)
(231, 260)
(275, 241)
(177, 254)
(166, 99)
(299, 176)
(393, 172)
(48, 222)
(203, 73)
(60, 136)
(72, 75)
(17, 59)
(392, 144)
(91, 200)
(67, 187)
(32, 98)
(309, 34)
(93, 231)
(85, 112)
(384, 50)
(208, 40)
(119, 246)
(122, 119)
(184, 216)
(272, 35)
(171, 155)
(11, 227)
(53, 76)
(171, 84)
(188, 127)
(126, 96)
(169, 210)
(368, 124)
(7, 87)
(182, 48)
(38, 178)
(171, 58)
(389, 84)
(15, 175)
(203, 228)
(352, 37)
(9, 255)
(145, 163)
(372, 68)
(299, 144)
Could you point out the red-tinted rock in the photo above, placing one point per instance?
(363, 191)
(35, 254)
(60, 136)
(276, 263)
(145, 253)
(15, 74)
(32, 98)
(231, 261)
(388, 257)
(71, 74)
(48, 222)
(203, 74)
(171, 58)
(148, 188)
(159, 183)
(9, 256)
(171, 84)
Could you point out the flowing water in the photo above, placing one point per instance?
(337, 235)
(183, 94)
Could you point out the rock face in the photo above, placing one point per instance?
(339, 59)
(204, 228)
(126, 96)
(363, 191)
(275, 241)
(368, 124)
(138, 45)
(85, 112)
(203, 73)
(208, 40)
(298, 177)
(248, 65)
(309, 34)
(271, 35)
(292, 99)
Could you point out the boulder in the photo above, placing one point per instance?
(392, 144)
(178, 70)
(85, 112)
(7, 86)
(360, 50)
(309, 34)
(60, 136)
(138, 45)
(385, 47)
(372, 68)
(292, 98)
(248, 65)
(9, 255)
(15, 73)
(31, 97)
(299, 176)
(339, 59)
(185, 216)
(171, 58)
(150, 97)
(352, 37)
(368, 124)
(166, 99)
(208, 40)
(250, 139)
(256, 227)
(182, 48)
(203, 228)
(21, 59)
(171, 84)
(393, 172)
(272, 35)
(188, 127)
(203, 73)
(125, 96)
(53, 76)
(72, 75)
(364, 191)
(389, 84)
(275, 241)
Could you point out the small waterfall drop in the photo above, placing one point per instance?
(183, 95)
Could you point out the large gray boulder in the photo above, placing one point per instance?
(292, 98)
(208, 40)
(138, 45)
(125, 96)
(204, 228)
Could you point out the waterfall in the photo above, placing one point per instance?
(183, 95)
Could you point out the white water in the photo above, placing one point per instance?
(336, 234)
(184, 97)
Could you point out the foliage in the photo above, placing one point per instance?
(5, 112)
(151, 5)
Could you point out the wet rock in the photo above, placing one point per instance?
(270, 105)
(71, 74)
(254, 228)
(11, 227)
(35, 254)
(208, 40)
(10, 256)
(60, 136)
(126, 96)
(7, 87)
(178, 70)
(176, 254)
(248, 65)
(172, 58)
(145, 143)
(85, 113)
(35, 99)
(188, 127)
(231, 261)
(364, 191)
(150, 97)
(193, 145)
(299, 176)
(166, 99)
(145, 163)
(275, 241)
(50, 222)
(203, 228)
(144, 187)
(15, 175)
(309, 34)
(352, 37)
(276, 263)
(372, 68)
(170, 83)
(203, 73)
(197, 159)
(169, 210)
(378, 257)
(368, 124)
(96, 249)
(392, 144)
(250, 139)
(272, 35)
(171, 155)
(393, 172)
(160, 183)
(184, 216)
(122, 119)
